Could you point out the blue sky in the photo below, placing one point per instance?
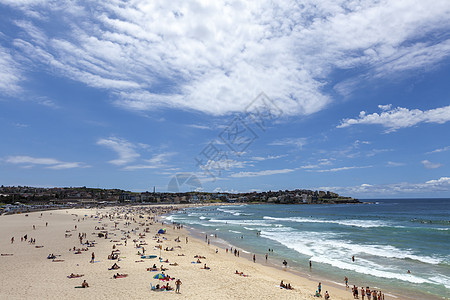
(347, 96)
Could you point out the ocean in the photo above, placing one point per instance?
(387, 238)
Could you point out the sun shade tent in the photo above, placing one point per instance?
(159, 276)
(162, 231)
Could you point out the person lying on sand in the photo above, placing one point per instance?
(114, 267)
(75, 275)
(174, 264)
(180, 254)
(240, 273)
(205, 267)
(119, 275)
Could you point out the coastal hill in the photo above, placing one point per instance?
(96, 196)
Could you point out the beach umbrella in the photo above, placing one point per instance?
(159, 276)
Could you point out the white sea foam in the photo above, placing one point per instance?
(370, 271)
(310, 243)
(380, 250)
(354, 223)
(170, 218)
(234, 231)
(441, 279)
(324, 248)
(252, 229)
(229, 211)
(198, 222)
(390, 295)
(241, 222)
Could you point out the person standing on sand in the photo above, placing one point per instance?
(346, 281)
(310, 265)
(266, 256)
(319, 287)
(93, 257)
(12, 240)
(178, 283)
(285, 263)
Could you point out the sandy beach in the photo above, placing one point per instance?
(28, 274)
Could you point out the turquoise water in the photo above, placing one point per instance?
(387, 238)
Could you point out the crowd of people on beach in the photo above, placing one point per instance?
(365, 292)
(135, 227)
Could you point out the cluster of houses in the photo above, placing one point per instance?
(15, 197)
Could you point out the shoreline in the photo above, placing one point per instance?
(304, 273)
(28, 274)
(312, 278)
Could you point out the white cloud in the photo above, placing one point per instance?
(156, 162)
(216, 56)
(395, 164)
(31, 160)
(340, 169)
(440, 150)
(51, 163)
(122, 147)
(69, 165)
(429, 165)
(430, 187)
(21, 125)
(320, 162)
(400, 117)
(297, 142)
(358, 142)
(10, 74)
(261, 173)
(225, 164)
(385, 107)
(268, 157)
(199, 126)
